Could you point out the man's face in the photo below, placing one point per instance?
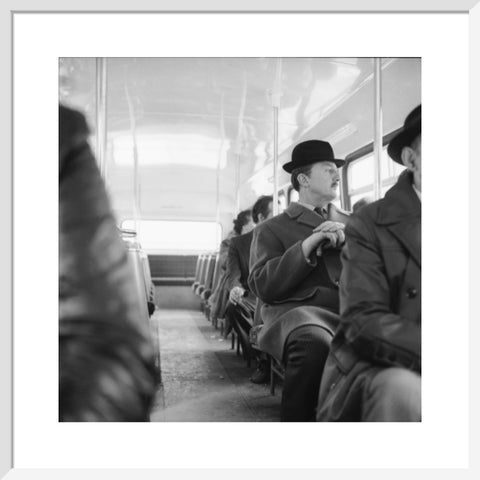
(248, 227)
(324, 180)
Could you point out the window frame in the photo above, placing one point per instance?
(356, 155)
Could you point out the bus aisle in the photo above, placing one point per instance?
(201, 375)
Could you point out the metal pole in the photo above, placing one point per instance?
(378, 127)
(275, 160)
(101, 113)
(220, 155)
(136, 176)
(276, 94)
(237, 184)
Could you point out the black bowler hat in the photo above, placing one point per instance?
(311, 151)
(411, 128)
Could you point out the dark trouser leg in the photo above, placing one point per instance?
(237, 322)
(306, 351)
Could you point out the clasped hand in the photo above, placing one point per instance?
(327, 234)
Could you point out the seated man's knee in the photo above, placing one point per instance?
(309, 344)
(394, 394)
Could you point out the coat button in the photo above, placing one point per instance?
(411, 292)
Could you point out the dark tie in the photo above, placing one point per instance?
(323, 214)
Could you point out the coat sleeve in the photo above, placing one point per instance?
(370, 326)
(275, 272)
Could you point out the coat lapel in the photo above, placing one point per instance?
(409, 235)
(400, 212)
(303, 215)
(307, 217)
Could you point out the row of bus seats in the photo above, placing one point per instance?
(138, 260)
(207, 276)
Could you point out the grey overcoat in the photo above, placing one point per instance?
(293, 291)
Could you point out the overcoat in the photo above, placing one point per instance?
(237, 261)
(293, 291)
(219, 298)
(380, 300)
(238, 268)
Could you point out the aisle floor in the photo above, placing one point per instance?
(203, 380)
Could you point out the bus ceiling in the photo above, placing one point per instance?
(217, 123)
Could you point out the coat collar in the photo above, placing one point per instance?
(400, 204)
(400, 211)
(308, 217)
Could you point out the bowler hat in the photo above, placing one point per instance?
(411, 128)
(311, 151)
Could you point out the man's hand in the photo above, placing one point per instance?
(327, 234)
(236, 293)
(333, 227)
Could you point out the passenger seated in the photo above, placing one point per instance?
(218, 301)
(294, 270)
(240, 311)
(373, 373)
(106, 354)
(360, 204)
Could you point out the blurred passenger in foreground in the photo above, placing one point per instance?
(106, 357)
(241, 310)
(373, 372)
(219, 298)
(294, 270)
(360, 204)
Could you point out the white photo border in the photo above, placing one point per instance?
(6, 413)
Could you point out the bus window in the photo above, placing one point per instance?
(282, 200)
(162, 236)
(292, 195)
(360, 177)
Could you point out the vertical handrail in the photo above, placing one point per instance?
(101, 114)
(136, 177)
(275, 161)
(378, 127)
(219, 161)
(276, 95)
(238, 143)
(237, 184)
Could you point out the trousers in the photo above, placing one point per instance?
(393, 395)
(241, 326)
(305, 353)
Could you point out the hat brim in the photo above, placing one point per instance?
(291, 166)
(403, 139)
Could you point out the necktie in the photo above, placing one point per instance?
(320, 212)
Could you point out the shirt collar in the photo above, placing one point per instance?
(311, 207)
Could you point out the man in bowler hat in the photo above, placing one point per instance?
(373, 372)
(294, 271)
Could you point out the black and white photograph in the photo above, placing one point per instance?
(240, 239)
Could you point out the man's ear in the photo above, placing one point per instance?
(302, 180)
(408, 158)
